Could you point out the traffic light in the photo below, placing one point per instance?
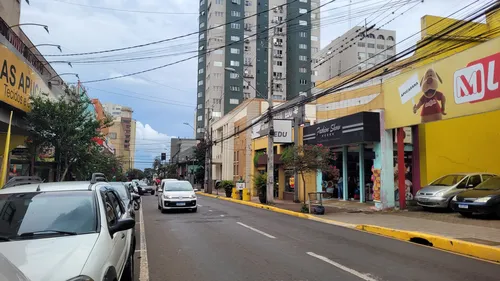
(163, 156)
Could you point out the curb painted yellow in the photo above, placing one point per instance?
(282, 211)
(440, 242)
(444, 243)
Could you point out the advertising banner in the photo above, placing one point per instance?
(18, 81)
(282, 130)
(464, 84)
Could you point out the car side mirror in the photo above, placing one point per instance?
(135, 196)
(121, 225)
(196, 190)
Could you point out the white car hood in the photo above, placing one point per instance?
(177, 194)
(55, 259)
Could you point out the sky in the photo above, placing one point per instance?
(164, 99)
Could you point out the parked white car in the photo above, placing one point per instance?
(177, 195)
(78, 231)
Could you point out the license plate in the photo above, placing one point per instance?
(462, 206)
(181, 204)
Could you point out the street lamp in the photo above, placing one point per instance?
(29, 23)
(68, 73)
(61, 61)
(187, 124)
(53, 45)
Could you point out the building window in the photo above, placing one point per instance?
(234, 88)
(303, 34)
(112, 136)
(220, 2)
(278, 63)
(314, 50)
(200, 94)
(202, 36)
(235, 38)
(303, 46)
(219, 14)
(201, 48)
(200, 82)
(303, 82)
(236, 1)
(361, 44)
(219, 52)
(200, 118)
(235, 14)
(380, 46)
(390, 38)
(200, 106)
(218, 63)
(371, 45)
(233, 75)
(381, 37)
(234, 101)
(247, 48)
(303, 58)
(200, 59)
(200, 71)
(278, 75)
(302, 70)
(371, 55)
(361, 55)
(303, 1)
(235, 51)
(314, 38)
(235, 25)
(234, 63)
(248, 3)
(303, 22)
(246, 96)
(302, 11)
(202, 25)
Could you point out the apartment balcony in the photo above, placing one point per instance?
(248, 75)
(17, 43)
(248, 63)
(278, 55)
(280, 44)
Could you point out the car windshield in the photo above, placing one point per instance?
(37, 214)
(178, 186)
(448, 180)
(121, 189)
(490, 184)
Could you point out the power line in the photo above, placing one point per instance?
(169, 39)
(123, 10)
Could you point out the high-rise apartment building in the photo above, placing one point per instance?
(244, 44)
(122, 133)
(354, 51)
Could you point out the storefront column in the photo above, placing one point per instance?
(319, 180)
(416, 160)
(344, 173)
(401, 168)
(281, 182)
(362, 173)
(384, 166)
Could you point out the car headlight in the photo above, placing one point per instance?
(454, 198)
(439, 194)
(482, 199)
(167, 196)
(81, 278)
(193, 196)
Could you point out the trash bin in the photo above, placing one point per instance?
(235, 194)
(246, 194)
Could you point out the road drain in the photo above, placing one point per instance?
(421, 241)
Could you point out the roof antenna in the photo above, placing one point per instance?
(38, 188)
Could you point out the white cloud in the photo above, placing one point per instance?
(128, 79)
(149, 144)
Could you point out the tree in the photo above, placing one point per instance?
(306, 159)
(65, 126)
(98, 161)
(199, 156)
(149, 173)
(135, 174)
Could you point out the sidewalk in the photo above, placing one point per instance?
(476, 230)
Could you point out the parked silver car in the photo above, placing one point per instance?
(438, 194)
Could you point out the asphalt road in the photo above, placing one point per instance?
(225, 241)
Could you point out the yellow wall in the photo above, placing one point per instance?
(466, 144)
(261, 143)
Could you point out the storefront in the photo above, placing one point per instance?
(452, 106)
(354, 140)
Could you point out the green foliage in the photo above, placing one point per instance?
(304, 208)
(227, 185)
(260, 182)
(135, 174)
(66, 126)
(98, 161)
(256, 158)
(148, 173)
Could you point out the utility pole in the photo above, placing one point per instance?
(296, 128)
(270, 136)
(208, 154)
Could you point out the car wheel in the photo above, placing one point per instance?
(498, 211)
(194, 209)
(159, 207)
(128, 272)
(152, 192)
(466, 214)
(163, 211)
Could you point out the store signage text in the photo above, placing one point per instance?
(328, 131)
(477, 82)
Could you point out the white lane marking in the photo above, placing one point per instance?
(144, 270)
(256, 230)
(222, 216)
(344, 268)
